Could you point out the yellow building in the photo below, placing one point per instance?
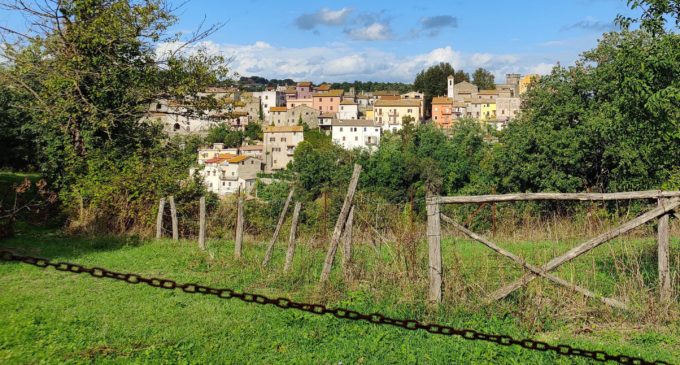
(488, 109)
(526, 81)
(368, 114)
(390, 113)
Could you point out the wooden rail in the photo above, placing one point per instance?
(668, 202)
(650, 194)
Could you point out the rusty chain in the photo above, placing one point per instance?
(319, 309)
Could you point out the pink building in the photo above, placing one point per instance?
(328, 102)
(304, 90)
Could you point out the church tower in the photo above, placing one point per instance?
(449, 92)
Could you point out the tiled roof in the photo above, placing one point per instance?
(330, 93)
(442, 100)
(324, 87)
(278, 109)
(488, 92)
(354, 123)
(348, 102)
(400, 102)
(389, 97)
(327, 115)
(385, 92)
(283, 128)
(238, 159)
(304, 84)
(257, 147)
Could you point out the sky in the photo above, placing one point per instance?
(393, 40)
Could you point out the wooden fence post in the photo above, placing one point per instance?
(340, 224)
(347, 241)
(173, 213)
(282, 217)
(201, 224)
(665, 289)
(159, 218)
(291, 238)
(238, 246)
(434, 249)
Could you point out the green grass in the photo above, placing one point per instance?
(55, 317)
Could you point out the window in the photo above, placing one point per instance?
(364, 129)
(159, 106)
(283, 139)
(266, 97)
(331, 100)
(376, 129)
(319, 99)
(223, 183)
(331, 108)
(410, 111)
(343, 138)
(340, 129)
(272, 139)
(356, 138)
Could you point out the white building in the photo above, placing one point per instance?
(348, 110)
(227, 173)
(356, 133)
(271, 98)
(214, 151)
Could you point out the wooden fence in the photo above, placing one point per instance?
(668, 201)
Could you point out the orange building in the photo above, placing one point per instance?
(442, 111)
(328, 102)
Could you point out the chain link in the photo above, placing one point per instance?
(342, 313)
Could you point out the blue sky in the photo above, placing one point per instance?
(393, 40)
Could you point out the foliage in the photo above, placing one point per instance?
(371, 86)
(461, 76)
(483, 79)
(223, 133)
(17, 147)
(253, 131)
(432, 82)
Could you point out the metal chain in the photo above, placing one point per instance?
(320, 309)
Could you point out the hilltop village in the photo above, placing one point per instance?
(352, 119)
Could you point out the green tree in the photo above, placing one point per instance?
(253, 131)
(483, 79)
(461, 76)
(223, 133)
(432, 82)
(89, 75)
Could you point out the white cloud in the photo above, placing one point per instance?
(309, 21)
(340, 62)
(372, 32)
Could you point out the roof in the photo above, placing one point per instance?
(278, 109)
(488, 92)
(400, 102)
(324, 87)
(389, 97)
(348, 102)
(238, 159)
(458, 104)
(385, 92)
(354, 123)
(304, 83)
(220, 158)
(442, 100)
(283, 128)
(291, 90)
(334, 92)
(481, 101)
(257, 147)
(327, 115)
(465, 83)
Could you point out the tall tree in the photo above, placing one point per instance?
(483, 79)
(432, 82)
(461, 76)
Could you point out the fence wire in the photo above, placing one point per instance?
(319, 309)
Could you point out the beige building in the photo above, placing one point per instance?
(252, 151)
(278, 115)
(464, 90)
(217, 149)
(309, 115)
(507, 108)
(390, 113)
(279, 145)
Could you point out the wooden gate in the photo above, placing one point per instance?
(668, 201)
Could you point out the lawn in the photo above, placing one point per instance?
(56, 317)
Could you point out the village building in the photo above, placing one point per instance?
(348, 110)
(215, 150)
(473, 108)
(279, 145)
(304, 113)
(356, 133)
(507, 108)
(323, 88)
(229, 174)
(464, 90)
(390, 113)
(292, 103)
(442, 111)
(488, 109)
(271, 98)
(487, 94)
(304, 90)
(278, 115)
(252, 151)
(325, 121)
(328, 102)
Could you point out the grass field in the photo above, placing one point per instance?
(55, 317)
